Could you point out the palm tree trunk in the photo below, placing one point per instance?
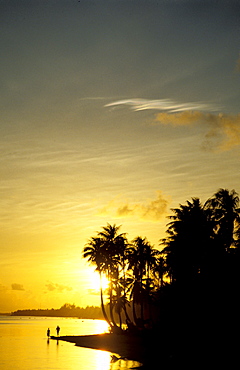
(142, 299)
(126, 313)
(120, 319)
(111, 305)
(127, 318)
(134, 312)
(102, 303)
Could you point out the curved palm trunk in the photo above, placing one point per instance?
(126, 313)
(120, 318)
(102, 303)
(142, 310)
(142, 298)
(134, 312)
(127, 318)
(112, 305)
(137, 301)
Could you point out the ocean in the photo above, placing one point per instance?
(24, 345)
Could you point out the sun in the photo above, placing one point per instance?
(95, 281)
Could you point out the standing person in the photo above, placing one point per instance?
(58, 330)
(48, 332)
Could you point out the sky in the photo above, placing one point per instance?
(112, 111)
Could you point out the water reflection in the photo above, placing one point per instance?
(101, 326)
(103, 360)
(25, 346)
(108, 361)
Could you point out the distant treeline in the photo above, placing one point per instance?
(67, 310)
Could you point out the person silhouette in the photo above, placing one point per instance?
(48, 332)
(58, 330)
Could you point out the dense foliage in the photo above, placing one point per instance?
(197, 262)
(67, 310)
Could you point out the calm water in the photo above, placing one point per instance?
(24, 345)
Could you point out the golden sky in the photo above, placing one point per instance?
(111, 112)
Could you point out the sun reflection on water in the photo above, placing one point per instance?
(101, 326)
(23, 342)
(103, 360)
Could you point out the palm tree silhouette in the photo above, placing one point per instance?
(142, 260)
(223, 210)
(187, 243)
(94, 253)
(107, 251)
(114, 245)
(225, 213)
(160, 270)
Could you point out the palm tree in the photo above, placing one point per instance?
(160, 270)
(187, 242)
(224, 210)
(94, 253)
(107, 251)
(142, 260)
(237, 236)
(114, 246)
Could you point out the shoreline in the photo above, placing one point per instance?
(149, 349)
(126, 346)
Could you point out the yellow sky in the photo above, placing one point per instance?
(111, 112)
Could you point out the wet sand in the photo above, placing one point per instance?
(126, 346)
(151, 352)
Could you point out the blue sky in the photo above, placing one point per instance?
(111, 111)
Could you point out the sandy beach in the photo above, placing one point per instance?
(149, 351)
(126, 346)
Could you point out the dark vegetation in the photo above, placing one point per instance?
(186, 292)
(67, 310)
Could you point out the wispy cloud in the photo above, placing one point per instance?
(162, 105)
(222, 130)
(151, 210)
(57, 287)
(16, 286)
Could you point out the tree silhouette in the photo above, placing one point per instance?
(107, 251)
(186, 247)
(94, 253)
(192, 279)
(224, 212)
(142, 261)
(114, 245)
(160, 270)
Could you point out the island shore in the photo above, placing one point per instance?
(126, 346)
(149, 350)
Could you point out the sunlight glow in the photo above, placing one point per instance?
(95, 281)
(101, 326)
(103, 360)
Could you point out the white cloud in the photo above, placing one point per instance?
(222, 130)
(162, 105)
